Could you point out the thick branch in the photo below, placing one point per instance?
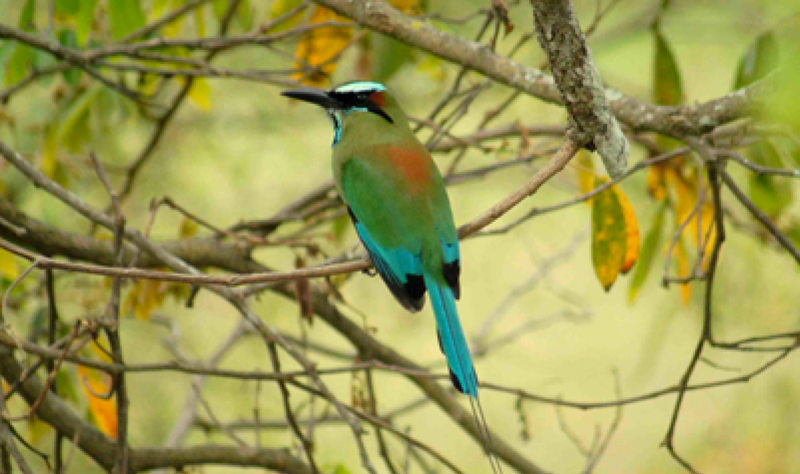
(673, 121)
(579, 81)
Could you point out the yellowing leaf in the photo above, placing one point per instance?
(174, 27)
(200, 93)
(49, 152)
(282, 7)
(687, 207)
(432, 67)
(144, 297)
(319, 48)
(632, 235)
(609, 236)
(37, 429)
(8, 265)
(147, 295)
(104, 411)
(199, 22)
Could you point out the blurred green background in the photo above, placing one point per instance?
(251, 151)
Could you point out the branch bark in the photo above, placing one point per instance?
(576, 76)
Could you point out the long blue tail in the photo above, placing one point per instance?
(451, 338)
(459, 359)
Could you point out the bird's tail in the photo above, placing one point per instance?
(451, 338)
(459, 359)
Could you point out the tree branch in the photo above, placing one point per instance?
(669, 120)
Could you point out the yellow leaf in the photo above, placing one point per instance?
(319, 48)
(200, 93)
(609, 236)
(687, 207)
(8, 265)
(632, 235)
(684, 270)
(405, 6)
(104, 411)
(656, 182)
(188, 228)
(586, 172)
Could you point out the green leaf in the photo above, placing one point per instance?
(609, 236)
(126, 17)
(18, 64)
(65, 385)
(388, 56)
(341, 469)
(650, 247)
(199, 22)
(339, 228)
(760, 59)
(39, 322)
(244, 13)
(200, 94)
(794, 234)
(68, 7)
(69, 39)
(85, 20)
(27, 15)
(771, 194)
(667, 89)
(220, 7)
(74, 129)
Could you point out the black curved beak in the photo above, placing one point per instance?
(314, 96)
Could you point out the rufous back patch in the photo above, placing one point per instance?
(412, 164)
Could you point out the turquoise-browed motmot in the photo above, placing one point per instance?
(398, 203)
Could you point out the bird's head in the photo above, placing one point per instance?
(352, 101)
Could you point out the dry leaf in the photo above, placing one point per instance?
(632, 234)
(104, 411)
(319, 48)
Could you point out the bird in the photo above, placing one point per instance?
(398, 203)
